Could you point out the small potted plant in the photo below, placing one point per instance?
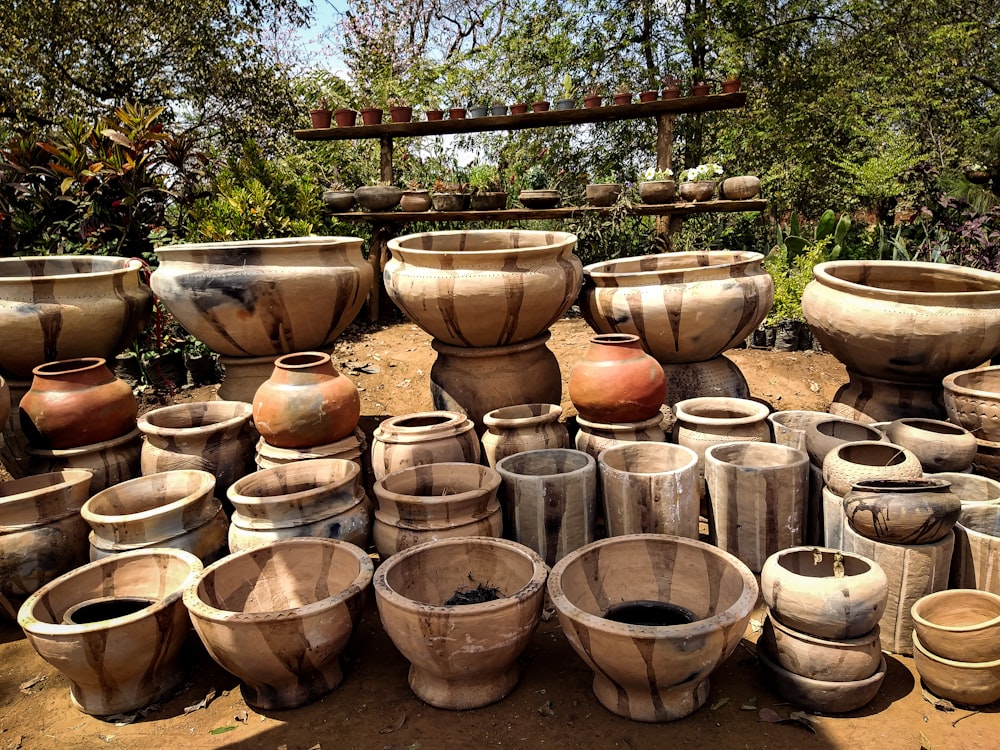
(456, 113)
(623, 95)
(338, 198)
(320, 115)
(539, 105)
(487, 191)
(657, 186)
(381, 197)
(593, 98)
(450, 196)
(433, 110)
(519, 108)
(400, 111)
(566, 99)
(698, 183)
(415, 198)
(478, 110)
(604, 191)
(498, 109)
(699, 89)
(671, 88)
(731, 84)
(977, 174)
(649, 95)
(371, 115)
(537, 189)
(345, 117)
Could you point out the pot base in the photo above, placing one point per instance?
(475, 692)
(305, 686)
(668, 704)
(868, 400)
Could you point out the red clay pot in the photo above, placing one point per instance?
(540, 106)
(519, 109)
(345, 118)
(401, 113)
(616, 381)
(371, 116)
(700, 89)
(320, 118)
(590, 102)
(456, 113)
(625, 98)
(435, 114)
(648, 96)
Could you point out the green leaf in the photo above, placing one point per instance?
(222, 730)
(825, 227)
(843, 227)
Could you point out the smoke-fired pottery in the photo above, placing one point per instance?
(616, 381)
(866, 399)
(789, 427)
(354, 447)
(823, 435)
(969, 683)
(520, 428)
(907, 511)
(378, 197)
(940, 446)
(976, 563)
(959, 624)
(423, 438)
(849, 463)
(844, 660)
(719, 376)
(110, 462)
(972, 398)
(593, 437)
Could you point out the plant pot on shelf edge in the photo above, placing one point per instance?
(320, 118)
(519, 108)
(401, 113)
(564, 104)
(480, 110)
(539, 199)
(450, 201)
(700, 89)
(498, 110)
(456, 113)
(624, 97)
(648, 96)
(434, 115)
(540, 106)
(592, 101)
(488, 201)
(731, 85)
(603, 194)
(345, 118)
(371, 116)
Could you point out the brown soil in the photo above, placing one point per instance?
(552, 706)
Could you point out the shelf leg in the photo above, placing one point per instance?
(378, 253)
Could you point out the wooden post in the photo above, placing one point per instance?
(664, 160)
(385, 159)
(378, 252)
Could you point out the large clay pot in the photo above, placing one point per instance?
(686, 307)
(306, 402)
(483, 287)
(616, 381)
(657, 191)
(115, 628)
(423, 438)
(415, 200)
(657, 669)
(867, 399)
(525, 427)
(279, 616)
(969, 683)
(972, 398)
(845, 660)
(719, 376)
(259, 298)
(76, 402)
(593, 437)
(700, 190)
(462, 655)
(902, 511)
(435, 501)
(959, 624)
(854, 462)
(110, 462)
(378, 197)
(976, 561)
(940, 446)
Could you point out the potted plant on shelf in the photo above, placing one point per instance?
(433, 110)
(592, 98)
(539, 105)
(699, 89)
(415, 198)
(977, 174)
(537, 189)
(320, 115)
(671, 88)
(478, 110)
(450, 196)
(519, 108)
(741, 188)
(338, 198)
(487, 190)
(698, 183)
(604, 191)
(345, 117)
(649, 95)
(381, 197)
(371, 115)
(657, 186)
(456, 113)
(498, 109)
(566, 99)
(623, 94)
(731, 84)
(400, 111)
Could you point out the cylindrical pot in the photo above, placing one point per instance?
(969, 683)
(519, 108)
(353, 448)
(488, 201)
(371, 115)
(758, 496)
(657, 191)
(378, 197)
(789, 427)
(456, 113)
(423, 438)
(848, 463)
(306, 402)
(700, 190)
(110, 462)
(345, 118)
(650, 488)
(401, 113)
(540, 106)
(603, 194)
(976, 562)
(520, 428)
(908, 511)
(594, 100)
(823, 435)
(434, 115)
(76, 402)
(940, 446)
(959, 624)
(550, 497)
(435, 501)
(710, 420)
(844, 660)
(593, 437)
(415, 200)
(616, 381)
(622, 98)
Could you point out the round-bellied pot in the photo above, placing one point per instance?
(213, 436)
(940, 446)
(650, 488)
(657, 191)
(76, 402)
(902, 511)
(481, 608)
(322, 497)
(423, 438)
(685, 307)
(354, 448)
(279, 616)
(969, 683)
(306, 402)
(550, 498)
(652, 641)
(824, 592)
(593, 437)
(68, 306)
(976, 561)
(115, 628)
(539, 199)
(616, 381)
(718, 376)
(339, 200)
(845, 660)
(849, 463)
(171, 509)
(415, 200)
(789, 427)
(972, 398)
(378, 197)
(41, 532)
(520, 428)
(483, 288)
(109, 462)
(866, 399)
(699, 190)
(435, 501)
(739, 188)
(603, 194)
(959, 624)
(823, 435)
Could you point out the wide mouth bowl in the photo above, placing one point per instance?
(981, 383)
(181, 419)
(805, 564)
(244, 252)
(53, 268)
(547, 462)
(912, 282)
(756, 455)
(798, 420)
(818, 688)
(711, 410)
(904, 486)
(438, 484)
(870, 453)
(69, 366)
(646, 458)
(481, 243)
(958, 612)
(515, 416)
(42, 498)
(298, 484)
(834, 645)
(932, 426)
(152, 496)
(971, 669)
(671, 267)
(409, 426)
(972, 489)
(846, 430)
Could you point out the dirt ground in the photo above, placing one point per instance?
(552, 706)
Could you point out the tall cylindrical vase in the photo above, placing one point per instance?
(616, 381)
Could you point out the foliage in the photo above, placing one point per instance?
(792, 242)
(790, 280)
(701, 173)
(484, 178)
(536, 178)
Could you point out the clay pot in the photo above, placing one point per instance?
(616, 381)
(976, 561)
(592, 101)
(4, 403)
(969, 683)
(483, 288)
(456, 113)
(657, 670)
(109, 462)
(401, 113)
(648, 96)
(378, 197)
(758, 497)
(423, 438)
(539, 199)
(718, 376)
(685, 307)
(353, 448)
(450, 201)
(987, 461)
(520, 428)
(904, 321)
(322, 497)
(68, 306)
(824, 592)
(550, 499)
(657, 191)
(172, 509)
(500, 110)
(869, 400)
(650, 488)
(488, 201)
(339, 200)
(415, 200)
(823, 435)
(739, 188)
(263, 298)
(623, 98)
(473, 662)
(279, 616)
(434, 114)
(76, 402)
(42, 534)
(435, 501)
(121, 647)
(908, 511)
(700, 190)
(603, 194)
(849, 463)
(700, 89)
(976, 492)
(959, 624)
(972, 398)
(345, 118)
(306, 402)
(789, 427)
(940, 446)
(848, 660)
(593, 437)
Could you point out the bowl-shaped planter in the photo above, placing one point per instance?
(539, 198)
(657, 191)
(488, 201)
(483, 288)
(959, 624)
(415, 200)
(940, 446)
(423, 438)
(115, 628)
(378, 197)
(823, 435)
(902, 511)
(262, 298)
(603, 193)
(972, 398)
(739, 188)
(846, 660)
(450, 201)
(686, 307)
(463, 627)
(974, 683)
(651, 636)
(699, 190)
(339, 200)
(976, 562)
(279, 616)
(849, 463)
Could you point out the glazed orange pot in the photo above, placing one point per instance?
(616, 381)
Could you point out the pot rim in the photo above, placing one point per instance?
(917, 611)
(673, 273)
(135, 488)
(654, 421)
(35, 484)
(646, 446)
(148, 426)
(799, 457)
(124, 266)
(275, 245)
(30, 491)
(69, 366)
(503, 416)
(349, 478)
(905, 486)
(777, 557)
(540, 242)
(948, 429)
(823, 274)
(489, 484)
(758, 411)
(969, 665)
(83, 450)
(880, 445)
(589, 463)
(404, 433)
(951, 383)
(309, 359)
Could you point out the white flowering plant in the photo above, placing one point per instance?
(657, 175)
(701, 173)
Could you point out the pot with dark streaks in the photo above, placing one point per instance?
(423, 438)
(110, 461)
(522, 427)
(902, 511)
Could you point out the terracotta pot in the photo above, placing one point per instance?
(42, 534)
(976, 562)
(541, 106)
(76, 402)
(759, 493)
(671, 92)
(68, 306)
(616, 381)
(648, 672)
(435, 501)
(823, 435)
(854, 462)
(593, 437)
(686, 307)
(423, 438)
(940, 446)
(262, 298)
(306, 402)
(972, 398)
(450, 201)
(590, 102)
(603, 194)
(700, 190)
(648, 96)
(824, 592)
(371, 115)
(279, 616)
(550, 499)
(649, 488)
(352, 448)
(623, 98)
(699, 89)
(959, 624)
(739, 188)
(456, 113)
(789, 427)
(519, 109)
(869, 400)
(115, 664)
(489, 201)
(969, 683)
(731, 85)
(110, 462)
(435, 114)
(908, 511)
(847, 660)
(520, 428)
(345, 118)
(320, 118)
(657, 191)
(415, 200)
(476, 664)
(539, 199)
(401, 113)
(323, 497)
(718, 376)
(378, 197)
